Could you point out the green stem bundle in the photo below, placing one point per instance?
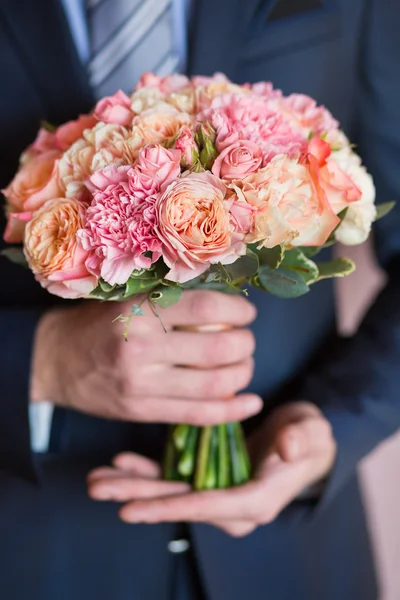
(207, 457)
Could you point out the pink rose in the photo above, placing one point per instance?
(45, 141)
(194, 225)
(166, 85)
(51, 249)
(114, 109)
(159, 163)
(237, 160)
(187, 146)
(35, 182)
(119, 224)
(70, 132)
(291, 207)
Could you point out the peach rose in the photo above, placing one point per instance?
(35, 182)
(338, 185)
(238, 160)
(158, 126)
(194, 225)
(52, 251)
(291, 208)
(70, 132)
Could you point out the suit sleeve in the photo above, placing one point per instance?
(357, 381)
(17, 330)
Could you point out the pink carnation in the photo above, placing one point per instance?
(119, 224)
(252, 118)
(303, 111)
(266, 90)
(115, 109)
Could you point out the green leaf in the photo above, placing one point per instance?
(106, 287)
(166, 296)
(245, 267)
(339, 267)
(271, 257)
(115, 294)
(282, 282)
(384, 209)
(295, 259)
(140, 285)
(15, 255)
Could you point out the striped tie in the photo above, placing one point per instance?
(127, 38)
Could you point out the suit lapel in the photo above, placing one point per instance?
(42, 39)
(217, 33)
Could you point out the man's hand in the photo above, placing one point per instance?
(82, 361)
(292, 450)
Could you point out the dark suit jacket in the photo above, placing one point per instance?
(54, 541)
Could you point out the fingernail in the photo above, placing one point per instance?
(254, 404)
(100, 494)
(293, 447)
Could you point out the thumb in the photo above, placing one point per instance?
(300, 440)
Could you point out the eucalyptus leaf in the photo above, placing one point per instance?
(271, 257)
(338, 267)
(15, 255)
(296, 259)
(282, 282)
(137, 311)
(166, 296)
(244, 267)
(384, 209)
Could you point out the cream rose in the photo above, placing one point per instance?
(290, 206)
(356, 226)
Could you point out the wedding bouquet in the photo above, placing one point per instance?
(189, 183)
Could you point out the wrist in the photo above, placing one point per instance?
(44, 356)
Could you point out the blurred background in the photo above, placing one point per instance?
(380, 471)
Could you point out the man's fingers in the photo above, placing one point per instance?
(236, 528)
(212, 411)
(205, 307)
(123, 488)
(137, 464)
(300, 440)
(205, 383)
(207, 350)
(235, 503)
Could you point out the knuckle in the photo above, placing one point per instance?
(239, 530)
(243, 374)
(215, 384)
(268, 515)
(216, 349)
